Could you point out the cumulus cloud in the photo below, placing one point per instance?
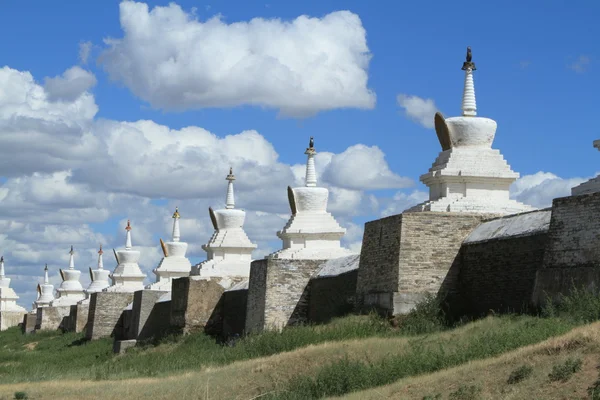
(72, 84)
(540, 188)
(418, 109)
(174, 61)
(401, 201)
(580, 65)
(85, 49)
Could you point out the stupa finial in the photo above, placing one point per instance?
(469, 104)
(311, 173)
(230, 199)
(100, 251)
(2, 266)
(176, 232)
(71, 260)
(100, 262)
(46, 280)
(128, 245)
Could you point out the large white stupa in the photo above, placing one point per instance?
(591, 186)
(45, 291)
(311, 232)
(70, 290)
(174, 264)
(468, 175)
(8, 297)
(127, 276)
(99, 277)
(229, 251)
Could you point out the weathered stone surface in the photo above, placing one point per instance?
(572, 255)
(498, 263)
(235, 303)
(121, 346)
(52, 318)
(195, 304)
(8, 319)
(149, 318)
(278, 293)
(29, 321)
(332, 296)
(105, 313)
(406, 256)
(80, 315)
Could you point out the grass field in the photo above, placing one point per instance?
(354, 356)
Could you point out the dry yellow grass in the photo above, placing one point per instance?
(491, 374)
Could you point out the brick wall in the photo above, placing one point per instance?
(573, 251)
(52, 318)
(234, 312)
(405, 256)
(195, 304)
(8, 319)
(105, 313)
(332, 296)
(29, 320)
(148, 317)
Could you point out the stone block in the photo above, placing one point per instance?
(79, 316)
(234, 312)
(332, 296)
(149, 318)
(105, 314)
(52, 318)
(196, 304)
(278, 293)
(29, 321)
(8, 319)
(121, 346)
(572, 255)
(406, 256)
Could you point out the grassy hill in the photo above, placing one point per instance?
(422, 358)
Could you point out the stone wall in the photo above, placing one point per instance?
(499, 261)
(52, 318)
(278, 293)
(29, 321)
(149, 319)
(8, 319)
(572, 255)
(406, 256)
(235, 301)
(193, 304)
(105, 313)
(80, 315)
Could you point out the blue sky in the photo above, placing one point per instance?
(537, 76)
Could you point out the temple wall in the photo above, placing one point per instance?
(29, 321)
(499, 261)
(105, 313)
(148, 318)
(406, 256)
(52, 318)
(234, 312)
(193, 303)
(332, 296)
(572, 255)
(8, 319)
(278, 293)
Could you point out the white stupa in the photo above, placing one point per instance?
(45, 291)
(174, 263)
(229, 251)
(127, 276)
(468, 175)
(99, 277)
(8, 297)
(591, 186)
(311, 232)
(70, 290)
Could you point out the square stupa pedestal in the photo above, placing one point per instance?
(408, 255)
(52, 318)
(8, 319)
(105, 313)
(148, 317)
(29, 320)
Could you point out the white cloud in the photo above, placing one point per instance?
(401, 201)
(85, 49)
(418, 109)
(540, 188)
(580, 65)
(72, 84)
(174, 61)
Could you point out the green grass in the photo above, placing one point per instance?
(520, 374)
(563, 372)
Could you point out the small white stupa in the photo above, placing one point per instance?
(127, 276)
(311, 232)
(45, 291)
(8, 297)
(468, 175)
(70, 290)
(229, 251)
(99, 277)
(174, 263)
(591, 186)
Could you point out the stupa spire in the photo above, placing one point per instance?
(176, 232)
(128, 245)
(311, 173)
(230, 200)
(100, 263)
(2, 267)
(46, 280)
(71, 260)
(469, 105)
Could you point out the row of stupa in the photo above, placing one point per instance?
(467, 176)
